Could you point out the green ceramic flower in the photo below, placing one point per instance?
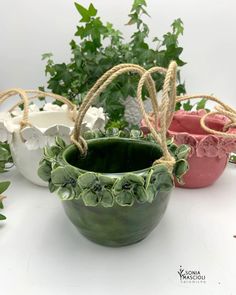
(64, 178)
(129, 188)
(158, 180)
(96, 189)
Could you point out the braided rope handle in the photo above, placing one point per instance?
(98, 88)
(167, 108)
(221, 109)
(146, 79)
(7, 93)
(109, 75)
(36, 94)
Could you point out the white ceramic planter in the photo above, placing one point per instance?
(27, 153)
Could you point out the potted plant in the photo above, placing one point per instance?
(114, 189)
(210, 146)
(100, 47)
(27, 131)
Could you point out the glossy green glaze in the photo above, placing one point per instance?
(117, 226)
(114, 155)
(114, 195)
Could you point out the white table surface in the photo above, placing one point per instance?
(41, 252)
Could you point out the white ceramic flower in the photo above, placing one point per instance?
(34, 138)
(57, 130)
(94, 119)
(33, 108)
(5, 134)
(50, 107)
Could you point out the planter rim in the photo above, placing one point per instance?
(94, 187)
(220, 119)
(110, 139)
(51, 115)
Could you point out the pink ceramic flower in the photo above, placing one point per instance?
(185, 138)
(208, 146)
(227, 145)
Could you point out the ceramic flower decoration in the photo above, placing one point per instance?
(50, 107)
(33, 108)
(36, 138)
(94, 119)
(5, 134)
(96, 189)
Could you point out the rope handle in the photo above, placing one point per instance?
(4, 95)
(221, 109)
(107, 75)
(165, 107)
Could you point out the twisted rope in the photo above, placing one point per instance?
(98, 88)
(4, 95)
(107, 76)
(221, 109)
(166, 106)
(166, 110)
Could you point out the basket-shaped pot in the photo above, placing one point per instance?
(210, 148)
(115, 190)
(30, 132)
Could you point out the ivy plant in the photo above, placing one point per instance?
(5, 157)
(3, 187)
(5, 163)
(98, 46)
(94, 189)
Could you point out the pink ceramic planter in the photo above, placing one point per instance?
(209, 153)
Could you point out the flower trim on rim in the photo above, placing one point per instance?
(209, 146)
(97, 189)
(35, 138)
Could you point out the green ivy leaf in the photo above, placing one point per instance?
(4, 186)
(201, 104)
(187, 106)
(178, 27)
(83, 12)
(4, 154)
(2, 217)
(92, 10)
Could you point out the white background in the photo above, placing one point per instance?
(41, 253)
(29, 28)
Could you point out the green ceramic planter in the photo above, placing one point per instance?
(117, 225)
(114, 196)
